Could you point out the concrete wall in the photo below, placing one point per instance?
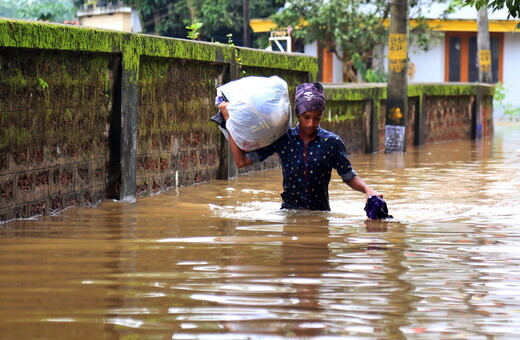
(87, 114)
(512, 68)
(121, 21)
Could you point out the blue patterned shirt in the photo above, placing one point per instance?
(307, 168)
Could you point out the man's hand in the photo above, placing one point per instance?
(223, 109)
(371, 192)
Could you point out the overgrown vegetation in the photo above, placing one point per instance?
(218, 17)
(351, 29)
(193, 30)
(44, 10)
(499, 100)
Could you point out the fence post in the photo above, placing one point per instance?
(129, 114)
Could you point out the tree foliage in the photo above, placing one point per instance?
(47, 10)
(344, 27)
(218, 17)
(513, 6)
(350, 28)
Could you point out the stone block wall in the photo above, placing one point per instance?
(177, 143)
(54, 113)
(447, 118)
(436, 113)
(351, 121)
(88, 114)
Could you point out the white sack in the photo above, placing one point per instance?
(259, 110)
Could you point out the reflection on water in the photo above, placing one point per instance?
(221, 261)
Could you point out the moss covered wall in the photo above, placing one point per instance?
(88, 114)
(177, 145)
(447, 113)
(55, 111)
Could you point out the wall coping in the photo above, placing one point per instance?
(51, 36)
(364, 91)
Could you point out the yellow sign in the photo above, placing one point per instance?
(484, 58)
(397, 46)
(395, 114)
(397, 51)
(279, 34)
(397, 65)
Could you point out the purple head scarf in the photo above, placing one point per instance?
(309, 97)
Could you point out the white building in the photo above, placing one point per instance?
(114, 17)
(453, 59)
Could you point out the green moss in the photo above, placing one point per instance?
(449, 89)
(36, 35)
(344, 111)
(16, 80)
(68, 115)
(14, 135)
(355, 92)
(377, 108)
(182, 49)
(250, 57)
(283, 61)
(28, 34)
(359, 92)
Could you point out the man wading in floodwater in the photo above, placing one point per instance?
(308, 154)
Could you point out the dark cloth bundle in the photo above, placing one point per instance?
(376, 208)
(219, 118)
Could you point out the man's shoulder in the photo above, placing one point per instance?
(327, 135)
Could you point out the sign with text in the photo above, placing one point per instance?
(484, 58)
(397, 52)
(394, 138)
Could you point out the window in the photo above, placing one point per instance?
(461, 56)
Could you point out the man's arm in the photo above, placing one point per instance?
(358, 184)
(239, 156)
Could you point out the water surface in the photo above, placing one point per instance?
(221, 261)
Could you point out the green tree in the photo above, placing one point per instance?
(344, 27)
(48, 10)
(350, 29)
(218, 17)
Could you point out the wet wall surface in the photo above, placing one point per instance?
(219, 260)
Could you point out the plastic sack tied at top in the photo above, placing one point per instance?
(259, 110)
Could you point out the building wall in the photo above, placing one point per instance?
(121, 21)
(428, 67)
(512, 67)
(436, 113)
(55, 110)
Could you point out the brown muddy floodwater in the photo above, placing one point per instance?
(221, 261)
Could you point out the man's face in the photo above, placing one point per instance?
(309, 122)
